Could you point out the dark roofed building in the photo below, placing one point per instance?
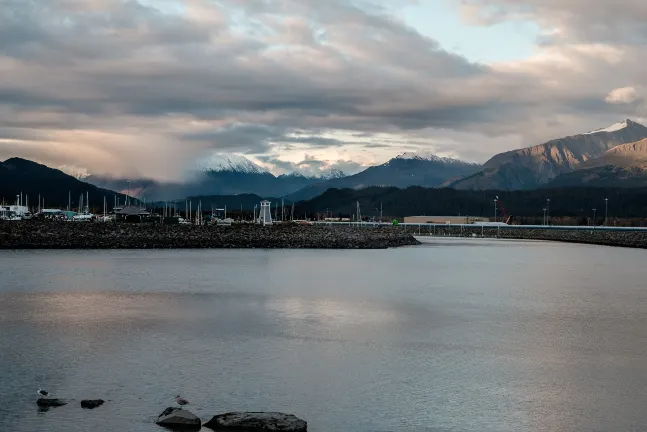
(132, 214)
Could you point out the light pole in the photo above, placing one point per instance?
(548, 211)
(593, 218)
(606, 211)
(495, 201)
(543, 221)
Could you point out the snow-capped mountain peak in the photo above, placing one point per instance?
(76, 172)
(428, 156)
(294, 174)
(332, 173)
(613, 128)
(229, 162)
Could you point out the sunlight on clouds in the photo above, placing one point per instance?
(146, 87)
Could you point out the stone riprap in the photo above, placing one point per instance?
(634, 239)
(88, 235)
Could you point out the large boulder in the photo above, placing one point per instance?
(178, 418)
(257, 422)
(50, 402)
(91, 403)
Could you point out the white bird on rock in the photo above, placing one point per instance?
(181, 401)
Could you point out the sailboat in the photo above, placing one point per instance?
(86, 216)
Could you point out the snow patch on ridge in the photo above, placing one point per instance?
(428, 156)
(613, 128)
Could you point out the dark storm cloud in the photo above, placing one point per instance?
(108, 62)
(180, 78)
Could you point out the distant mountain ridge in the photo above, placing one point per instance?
(532, 167)
(404, 170)
(218, 174)
(32, 179)
(622, 166)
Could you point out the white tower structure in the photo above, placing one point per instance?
(265, 215)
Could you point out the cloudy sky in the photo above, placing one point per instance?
(144, 87)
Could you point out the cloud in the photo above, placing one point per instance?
(146, 87)
(623, 95)
(312, 166)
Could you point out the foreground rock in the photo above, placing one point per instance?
(50, 402)
(178, 418)
(70, 235)
(92, 403)
(257, 422)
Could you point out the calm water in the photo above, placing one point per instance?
(455, 335)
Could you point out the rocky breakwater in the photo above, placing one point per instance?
(634, 239)
(77, 235)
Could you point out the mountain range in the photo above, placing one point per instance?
(615, 156)
(535, 166)
(234, 174)
(219, 174)
(407, 169)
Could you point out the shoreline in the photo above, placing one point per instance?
(626, 239)
(22, 235)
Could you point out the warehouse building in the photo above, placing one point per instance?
(444, 219)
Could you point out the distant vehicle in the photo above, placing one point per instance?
(85, 217)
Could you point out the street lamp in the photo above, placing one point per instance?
(495, 201)
(606, 211)
(548, 211)
(543, 221)
(593, 218)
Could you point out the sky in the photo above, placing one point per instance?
(145, 88)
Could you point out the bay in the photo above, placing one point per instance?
(452, 335)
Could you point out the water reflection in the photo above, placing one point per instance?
(465, 336)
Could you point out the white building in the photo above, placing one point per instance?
(15, 211)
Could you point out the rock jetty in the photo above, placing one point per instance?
(77, 235)
(633, 239)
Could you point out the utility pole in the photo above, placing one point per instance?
(548, 211)
(606, 211)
